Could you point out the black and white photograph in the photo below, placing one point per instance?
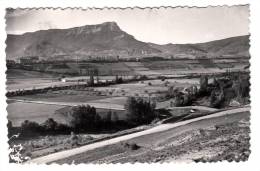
(132, 85)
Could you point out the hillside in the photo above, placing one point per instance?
(231, 46)
(107, 39)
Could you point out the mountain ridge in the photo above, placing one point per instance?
(107, 39)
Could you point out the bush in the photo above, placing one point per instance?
(131, 146)
(30, 128)
(74, 139)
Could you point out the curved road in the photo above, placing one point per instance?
(68, 153)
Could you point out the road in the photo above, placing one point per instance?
(106, 105)
(112, 106)
(210, 109)
(164, 127)
(30, 85)
(96, 105)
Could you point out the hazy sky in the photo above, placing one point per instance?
(170, 25)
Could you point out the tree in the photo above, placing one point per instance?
(139, 111)
(119, 80)
(91, 80)
(28, 127)
(50, 125)
(108, 118)
(244, 88)
(9, 125)
(131, 109)
(114, 117)
(217, 99)
(82, 117)
(213, 98)
(178, 99)
(203, 84)
(10, 128)
(91, 77)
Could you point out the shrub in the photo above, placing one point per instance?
(131, 146)
(74, 139)
(29, 127)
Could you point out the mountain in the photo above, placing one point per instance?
(102, 39)
(226, 47)
(107, 39)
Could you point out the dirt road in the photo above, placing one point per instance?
(160, 128)
(96, 105)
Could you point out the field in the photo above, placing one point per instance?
(74, 96)
(114, 97)
(23, 79)
(18, 112)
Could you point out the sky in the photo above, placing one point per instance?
(164, 25)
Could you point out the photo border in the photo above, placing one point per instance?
(251, 164)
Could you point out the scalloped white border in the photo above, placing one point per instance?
(251, 164)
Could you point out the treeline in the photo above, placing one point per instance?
(220, 92)
(85, 119)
